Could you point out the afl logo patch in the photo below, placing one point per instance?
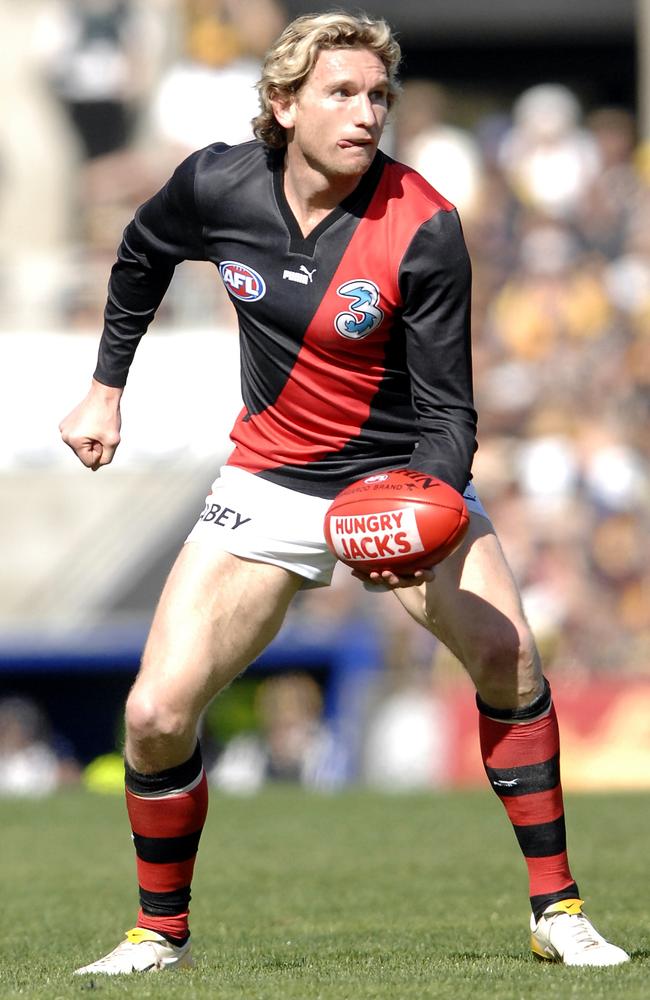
(379, 478)
(242, 281)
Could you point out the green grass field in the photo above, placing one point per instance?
(313, 897)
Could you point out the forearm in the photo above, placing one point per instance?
(442, 392)
(446, 446)
(105, 396)
(136, 288)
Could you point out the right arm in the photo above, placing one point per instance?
(164, 231)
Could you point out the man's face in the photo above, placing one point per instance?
(338, 115)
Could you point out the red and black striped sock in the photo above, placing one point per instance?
(167, 811)
(521, 754)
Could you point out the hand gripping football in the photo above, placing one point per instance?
(401, 520)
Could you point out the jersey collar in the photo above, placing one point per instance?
(355, 204)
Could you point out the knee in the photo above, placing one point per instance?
(505, 666)
(152, 719)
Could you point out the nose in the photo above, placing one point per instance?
(364, 112)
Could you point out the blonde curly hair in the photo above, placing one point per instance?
(291, 59)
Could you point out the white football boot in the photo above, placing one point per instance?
(564, 934)
(142, 951)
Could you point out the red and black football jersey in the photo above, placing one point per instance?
(355, 340)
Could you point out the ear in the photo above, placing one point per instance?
(283, 109)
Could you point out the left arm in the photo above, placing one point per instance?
(435, 280)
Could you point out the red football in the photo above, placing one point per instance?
(401, 520)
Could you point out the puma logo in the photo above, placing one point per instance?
(304, 276)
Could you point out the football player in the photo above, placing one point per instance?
(351, 282)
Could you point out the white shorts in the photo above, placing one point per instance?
(256, 519)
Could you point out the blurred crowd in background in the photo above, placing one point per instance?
(106, 96)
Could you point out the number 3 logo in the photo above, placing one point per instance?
(364, 314)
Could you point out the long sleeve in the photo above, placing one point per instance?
(435, 279)
(164, 231)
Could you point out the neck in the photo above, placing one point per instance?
(311, 194)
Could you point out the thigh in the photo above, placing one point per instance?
(473, 605)
(216, 614)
